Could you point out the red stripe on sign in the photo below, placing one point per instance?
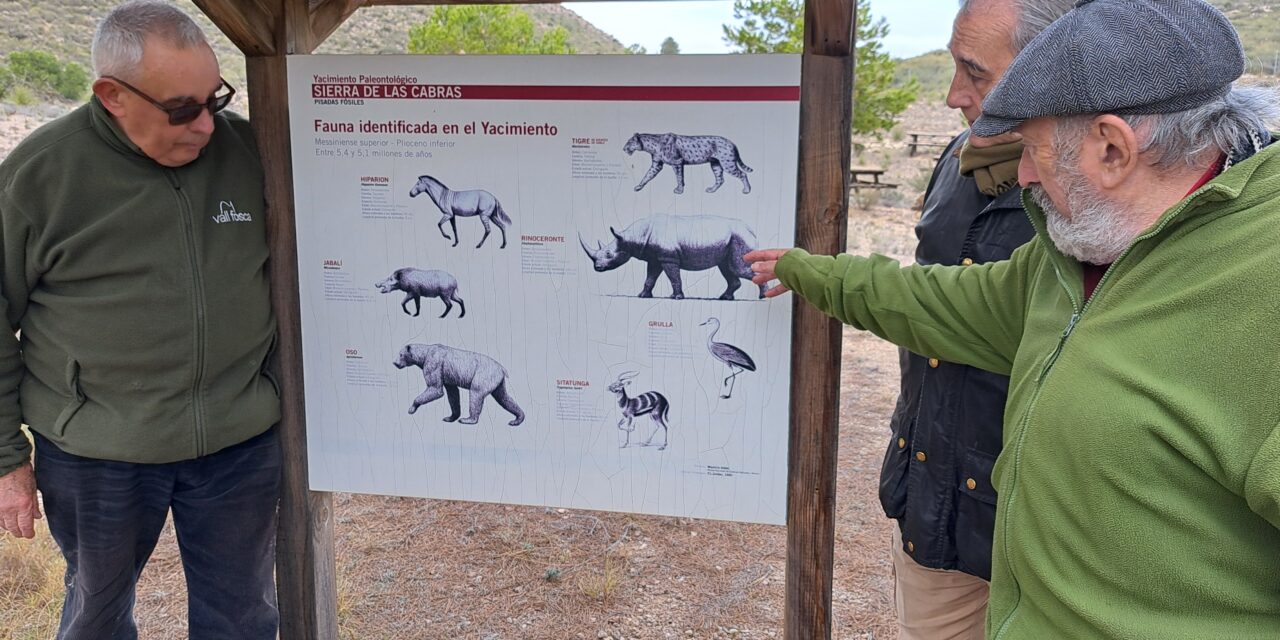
(657, 94)
(554, 92)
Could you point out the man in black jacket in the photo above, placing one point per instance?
(936, 478)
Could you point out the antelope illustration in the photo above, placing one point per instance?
(650, 403)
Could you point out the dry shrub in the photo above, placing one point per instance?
(30, 586)
(601, 584)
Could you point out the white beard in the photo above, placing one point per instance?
(1098, 230)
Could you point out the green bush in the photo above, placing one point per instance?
(36, 69)
(867, 198)
(72, 81)
(23, 97)
(41, 73)
(893, 198)
(920, 181)
(6, 81)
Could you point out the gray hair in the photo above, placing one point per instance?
(1215, 128)
(1034, 16)
(122, 35)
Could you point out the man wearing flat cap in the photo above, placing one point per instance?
(1139, 484)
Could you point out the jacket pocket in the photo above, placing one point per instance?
(77, 399)
(265, 369)
(894, 469)
(976, 513)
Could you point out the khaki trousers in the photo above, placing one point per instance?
(936, 604)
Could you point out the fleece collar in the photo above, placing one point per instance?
(1237, 188)
(109, 130)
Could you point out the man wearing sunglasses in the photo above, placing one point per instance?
(132, 271)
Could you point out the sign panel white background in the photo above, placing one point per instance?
(544, 136)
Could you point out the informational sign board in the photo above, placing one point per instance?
(521, 278)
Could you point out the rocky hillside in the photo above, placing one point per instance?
(386, 30)
(1257, 21)
(65, 29)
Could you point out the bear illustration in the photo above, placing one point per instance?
(445, 369)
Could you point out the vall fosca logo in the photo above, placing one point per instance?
(227, 213)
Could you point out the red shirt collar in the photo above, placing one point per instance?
(1212, 173)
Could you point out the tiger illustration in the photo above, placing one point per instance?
(677, 151)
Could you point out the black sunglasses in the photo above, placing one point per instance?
(184, 113)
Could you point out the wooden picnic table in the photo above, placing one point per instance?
(931, 140)
(868, 178)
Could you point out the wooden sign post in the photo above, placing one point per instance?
(822, 206)
(268, 30)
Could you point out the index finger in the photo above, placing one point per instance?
(764, 254)
(9, 523)
(776, 291)
(26, 525)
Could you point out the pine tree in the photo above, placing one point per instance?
(777, 26)
(484, 29)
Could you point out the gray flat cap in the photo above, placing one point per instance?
(1118, 56)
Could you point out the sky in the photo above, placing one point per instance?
(915, 26)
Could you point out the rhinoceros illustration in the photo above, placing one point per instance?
(670, 244)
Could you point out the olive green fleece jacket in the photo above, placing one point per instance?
(1139, 487)
(139, 291)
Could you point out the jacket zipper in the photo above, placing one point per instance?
(197, 285)
(1044, 373)
(1077, 311)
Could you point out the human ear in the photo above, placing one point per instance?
(109, 94)
(1110, 152)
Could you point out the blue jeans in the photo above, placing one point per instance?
(106, 516)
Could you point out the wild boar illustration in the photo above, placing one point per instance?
(416, 283)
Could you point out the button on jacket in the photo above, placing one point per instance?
(936, 477)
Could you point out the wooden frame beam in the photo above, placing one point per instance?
(249, 24)
(267, 30)
(305, 557)
(370, 3)
(328, 15)
(306, 580)
(822, 205)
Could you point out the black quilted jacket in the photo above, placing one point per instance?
(936, 478)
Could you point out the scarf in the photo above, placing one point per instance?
(994, 168)
(1243, 149)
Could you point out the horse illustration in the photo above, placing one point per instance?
(474, 202)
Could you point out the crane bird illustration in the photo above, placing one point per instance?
(736, 359)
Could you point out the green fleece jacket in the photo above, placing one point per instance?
(139, 291)
(1139, 487)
